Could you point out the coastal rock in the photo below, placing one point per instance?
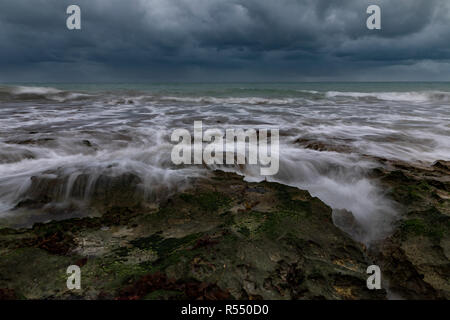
(416, 256)
(347, 222)
(101, 189)
(223, 238)
(318, 145)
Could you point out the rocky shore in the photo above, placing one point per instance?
(225, 238)
(416, 257)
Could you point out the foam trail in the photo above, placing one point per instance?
(69, 135)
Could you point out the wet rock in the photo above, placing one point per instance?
(338, 146)
(441, 164)
(158, 285)
(203, 243)
(415, 257)
(7, 294)
(347, 222)
(56, 243)
(98, 191)
(87, 143)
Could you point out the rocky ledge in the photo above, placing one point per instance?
(224, 238)
(416, 257)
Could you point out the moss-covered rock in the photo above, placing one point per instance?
(416, 257)
(223, 238)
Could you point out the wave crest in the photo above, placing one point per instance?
(413, 96)
(39, 93)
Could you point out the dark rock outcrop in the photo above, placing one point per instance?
(223, 238)
(416, 258)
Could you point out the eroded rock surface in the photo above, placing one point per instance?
(222, 239)
(416, 258)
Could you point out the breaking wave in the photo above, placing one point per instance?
(419, 96)
(37, 93)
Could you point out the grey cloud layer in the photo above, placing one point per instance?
(224, 40)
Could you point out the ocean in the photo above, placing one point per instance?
(331, 136)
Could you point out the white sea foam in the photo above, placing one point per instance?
(110, 133)
(395, 96)
(21, 90)
(231, 100)
(27, 92)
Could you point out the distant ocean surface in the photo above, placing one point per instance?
(330, 134)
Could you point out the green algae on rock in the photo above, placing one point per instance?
(223, 238)
(416, 257)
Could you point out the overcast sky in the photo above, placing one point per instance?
(224, 40)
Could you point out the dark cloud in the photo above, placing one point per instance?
(197, 40)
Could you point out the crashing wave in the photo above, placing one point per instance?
(417, 96)
(37, 93)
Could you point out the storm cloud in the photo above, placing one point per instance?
(224, 40)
